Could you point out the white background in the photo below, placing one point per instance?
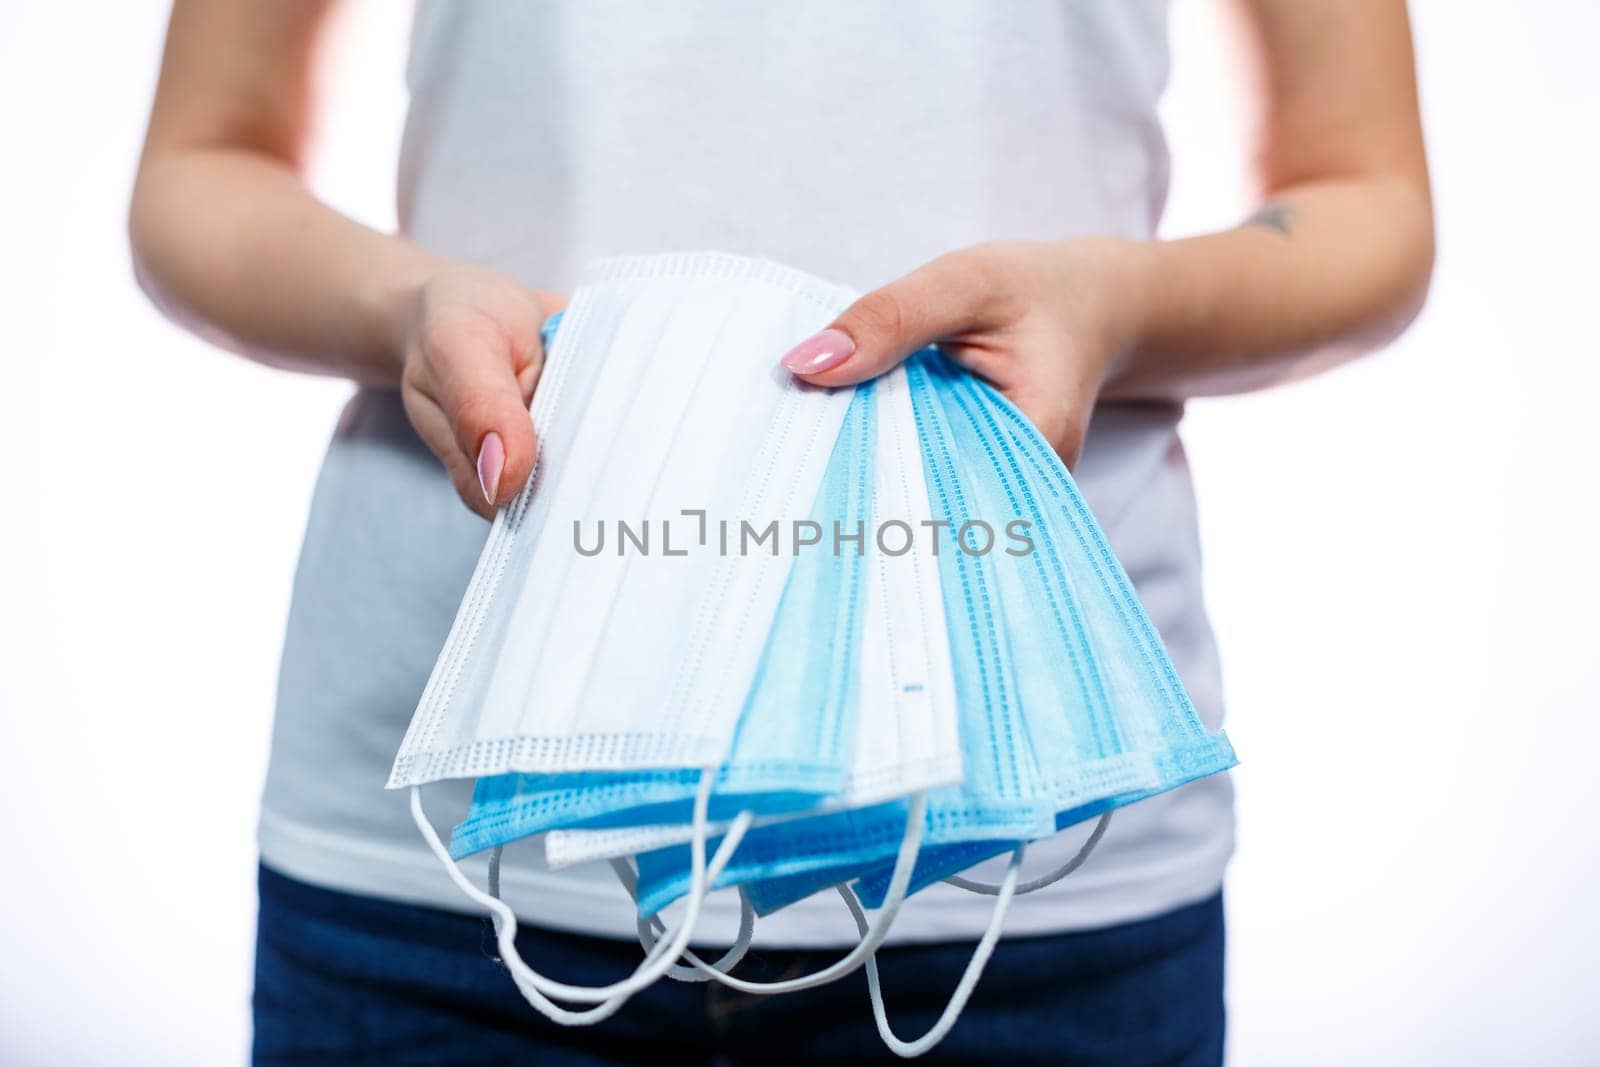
(1401, 571)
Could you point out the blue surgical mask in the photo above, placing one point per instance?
(1030, 673)
(1135, 716)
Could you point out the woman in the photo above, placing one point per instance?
(991, 175)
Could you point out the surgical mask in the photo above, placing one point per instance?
(555, 653)
(1133, 733)
(660, 391)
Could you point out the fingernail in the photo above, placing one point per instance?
(823, 352)
(491, 462)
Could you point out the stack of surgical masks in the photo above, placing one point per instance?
(744, 633)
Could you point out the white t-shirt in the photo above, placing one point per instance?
(854, 139)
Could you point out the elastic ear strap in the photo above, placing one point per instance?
(536, 988)
(1044, 880)
(651, 929)
(910, 843)
(969, 977)
(504, 919)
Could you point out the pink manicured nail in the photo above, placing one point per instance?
(823, 352)
(491, 462)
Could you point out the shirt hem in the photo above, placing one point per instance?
(557, 900)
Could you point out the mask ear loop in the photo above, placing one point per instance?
(1044, 880)
(536, 988)
(969, 978)
(652, 928)
(1004, 892)
(872, 936)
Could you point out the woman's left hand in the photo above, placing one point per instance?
(1043, 322)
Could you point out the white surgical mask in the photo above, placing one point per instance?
(661, 388)
(562, 662)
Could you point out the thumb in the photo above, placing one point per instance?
(484, 402)
(941, 299)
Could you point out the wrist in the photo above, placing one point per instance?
(1128, 300)
(388, 301)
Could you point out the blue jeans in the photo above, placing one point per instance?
(344, 979)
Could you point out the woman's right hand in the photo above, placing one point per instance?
(472, 357)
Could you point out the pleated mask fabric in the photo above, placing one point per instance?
(554, 652)
(1131, 730)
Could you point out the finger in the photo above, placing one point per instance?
(1062, 425)
(435, 431)
(476, 386)
(549, 303)
(949, 296)
(528, 373)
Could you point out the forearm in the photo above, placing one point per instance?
(1329, 270)
(229, 242)
(1340, 261)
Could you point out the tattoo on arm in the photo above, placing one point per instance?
(1277, 217)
